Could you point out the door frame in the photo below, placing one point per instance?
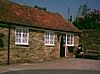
(63, 46)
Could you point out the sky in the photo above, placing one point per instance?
(61, 6)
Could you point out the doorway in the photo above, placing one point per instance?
(62, 45)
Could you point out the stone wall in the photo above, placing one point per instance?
(76, 40)
(3, 51)
(90, 39)
(36, 51)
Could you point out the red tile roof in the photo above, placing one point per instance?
(28, 16)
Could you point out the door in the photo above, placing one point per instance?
(62, 45)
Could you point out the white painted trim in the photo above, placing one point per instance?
(21, 43)
(72, 39)
(49, 44)
(22, 36)
(65, 52)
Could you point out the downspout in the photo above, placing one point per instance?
(8, 59)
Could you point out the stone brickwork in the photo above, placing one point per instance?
(90, 39)
(3, 51)
(36, 51)
(76, 40)
(70, 51)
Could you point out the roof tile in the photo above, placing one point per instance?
(24, 15)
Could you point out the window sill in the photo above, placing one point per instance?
(52, 45)
(21, 44)
(69, 45)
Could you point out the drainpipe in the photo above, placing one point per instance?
(8, 60)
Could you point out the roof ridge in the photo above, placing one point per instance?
(29, 16)
(30, 7)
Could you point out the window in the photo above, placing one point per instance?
(22, 36)
(49, 38)
(70, 40)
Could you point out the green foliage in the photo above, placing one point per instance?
(36, 6)
(91, 20)
(83, 9)
(87, 19)
(70, 49)
(1, 62)
(90, 39)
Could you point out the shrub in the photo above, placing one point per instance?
(70, 49)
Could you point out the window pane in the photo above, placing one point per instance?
(46, 38)
(51, 42)
(21, 36)
(70, 39)
(24, 40)
(18, 36)
(25, 32)
(49, 38)
(25, 36)
(18, 40)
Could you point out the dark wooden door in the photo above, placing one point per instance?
(62, 45)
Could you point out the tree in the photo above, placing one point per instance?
(38, 7)
(83, 9)
(87, 19)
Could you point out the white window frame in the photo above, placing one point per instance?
(71, 39)
(49, 39)
(21, 37)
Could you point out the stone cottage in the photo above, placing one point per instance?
(34, 35)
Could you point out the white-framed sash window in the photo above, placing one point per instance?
(49, 38)
(69, 39)
(22, 36)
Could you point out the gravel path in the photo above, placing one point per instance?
(63, 63)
